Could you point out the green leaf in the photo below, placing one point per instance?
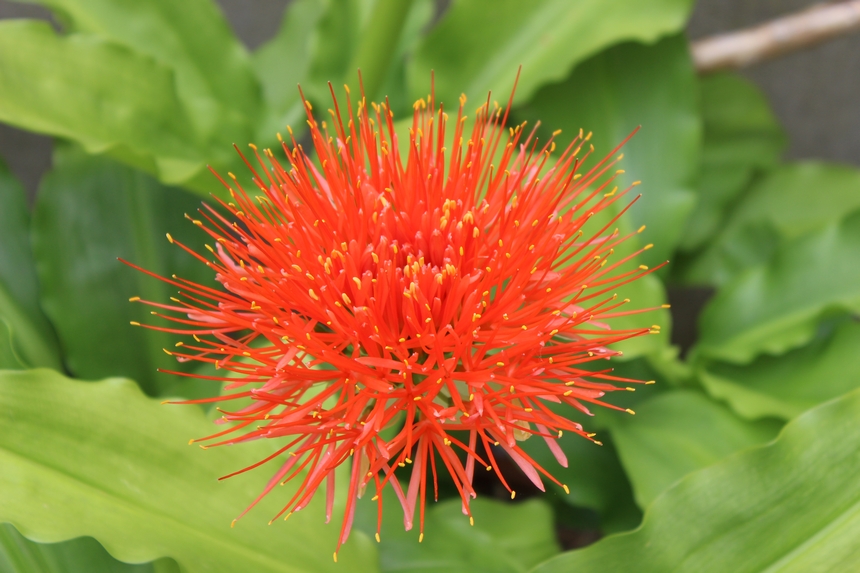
(679, 432)
(788, 506)
(784, 386)
(90, 211)
(102, 460)
(21, 318)
(613, 93)
(213, 74)
(784, 205)
(283, 62)
(775, 307)
(594, 476)
(355, 35)
(97, 93)
(741, 137)
(479, 44)
(506, 538)
(395, 88)
(82, 555)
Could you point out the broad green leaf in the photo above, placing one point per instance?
(610, 95)
(90, 211)
(792, 200)
(784, 386)
(82, 555)
(741, 137)
(679, 432)
(213, 73)
(775, 307)
(283, 62)
(506, 538)
(97, 93)
(479, 44)
(26, 337)
(789, 506)
(102, 460)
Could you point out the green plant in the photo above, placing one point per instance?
(740, 457)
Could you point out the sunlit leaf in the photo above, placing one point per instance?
(102, 460)
(788, 506)
(213, 74)
(97, 93)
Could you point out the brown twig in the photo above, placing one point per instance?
(777, 37)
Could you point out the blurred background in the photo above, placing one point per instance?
(814, 92)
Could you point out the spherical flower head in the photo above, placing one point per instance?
(444, 293)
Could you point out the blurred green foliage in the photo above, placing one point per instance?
(142, 96)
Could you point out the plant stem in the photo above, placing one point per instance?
(379, 39)
(776, 38)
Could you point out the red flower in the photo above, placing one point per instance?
(437, 291)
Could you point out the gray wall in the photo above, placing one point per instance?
(815, 93)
